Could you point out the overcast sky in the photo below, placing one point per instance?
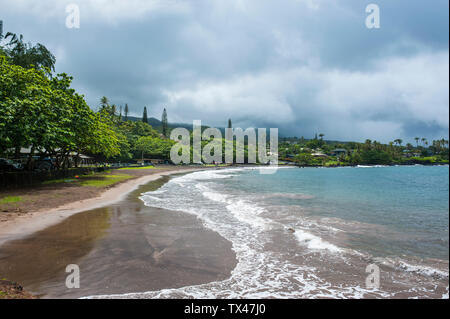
(304, 66)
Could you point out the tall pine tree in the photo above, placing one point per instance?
(164, 123)
(144, 116)
(126, 112)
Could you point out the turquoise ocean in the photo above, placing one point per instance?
(313, 232)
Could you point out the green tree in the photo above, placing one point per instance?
(164, 123)
(104, 103)
(375, 157)
(304, 159)
(113, 110)
(417, 141)
(144, 116)
(126, 112)
(424, 141)
(27, 55)
(49, 116)
(154, 147)
(398, 141)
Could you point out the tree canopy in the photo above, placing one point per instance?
(49, 116)
(27, 55)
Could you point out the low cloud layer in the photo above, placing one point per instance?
(304, 66)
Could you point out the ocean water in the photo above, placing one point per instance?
(311, 232)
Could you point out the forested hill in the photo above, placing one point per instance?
(157, 124)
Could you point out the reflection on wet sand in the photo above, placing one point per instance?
(126, 247)
(41, 259)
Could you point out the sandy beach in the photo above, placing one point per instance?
(120, 245)
(26, 224)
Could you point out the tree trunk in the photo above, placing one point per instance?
(30, 157)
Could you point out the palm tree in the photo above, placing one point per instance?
(424, 141)
(104, 103)
(417, 141)
(398, 141)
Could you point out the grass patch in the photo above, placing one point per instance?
(103, 180)
(332, 163)
(60, 180)
(97, 180)
(10, 199)
(429, 160)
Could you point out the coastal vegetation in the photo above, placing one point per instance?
(42, 113)
(318, 152)
(43, 117)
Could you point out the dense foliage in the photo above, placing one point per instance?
(27, 55)
(48, 116)
(41, 113)
(318, 152)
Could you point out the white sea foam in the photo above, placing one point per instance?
(423, 270)
(418, 267)
(314, 242)
(445, 295)
(371, 166)
(260, 272)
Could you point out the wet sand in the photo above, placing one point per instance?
(123, 247)
(78, 199)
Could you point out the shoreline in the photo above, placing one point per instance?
(29, 223)
(124, 241)
(32, 222)
(116, 245)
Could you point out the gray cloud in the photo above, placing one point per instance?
(300, 65)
